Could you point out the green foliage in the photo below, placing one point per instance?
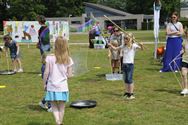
(144, 6)
(169, 6)
(56, 8)
(139, 6)
(27, 10)
(117, 4)
(184, 21)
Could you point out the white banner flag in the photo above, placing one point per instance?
(156, 9)
(156, 19)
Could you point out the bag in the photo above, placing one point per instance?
(175, 27)
(45, 36)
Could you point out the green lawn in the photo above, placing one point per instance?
(157, 94)
(145, 36)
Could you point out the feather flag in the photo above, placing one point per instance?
(156, 8)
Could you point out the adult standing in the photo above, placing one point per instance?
(119, 36)
(44, 35)
(174, 31)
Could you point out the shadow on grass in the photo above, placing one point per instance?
(153, 69)
(112, 93)
(35, 108)
(172, 91)
(32, 72)
(101, 75)
(36, 123)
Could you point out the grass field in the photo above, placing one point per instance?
(157, 94)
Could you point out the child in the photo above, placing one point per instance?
(184, 65)
(115, 57)
(44, 104)
(129, 48)
(44, 35)
(57, 71)
(14, 52)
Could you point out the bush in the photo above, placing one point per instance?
(184, 21)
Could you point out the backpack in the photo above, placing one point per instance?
(45, 36)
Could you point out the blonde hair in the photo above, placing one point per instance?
(62, 51)
(131, 39)
(114, 43)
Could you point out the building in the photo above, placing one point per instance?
(96, 11)
(123, 19)
(184, 8)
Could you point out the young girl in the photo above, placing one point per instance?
(115, 57)
(14, 52)
(57, 71)
(129, 48)
(184, 65)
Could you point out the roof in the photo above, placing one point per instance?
(107, 9)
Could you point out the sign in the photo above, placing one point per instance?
(27, 31)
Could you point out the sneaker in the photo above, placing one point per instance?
(160, 71)
(130, 97)
(20, 70)
(15, 70)
(126, 94)
(49, 110)
(184, 92)
(43, 105)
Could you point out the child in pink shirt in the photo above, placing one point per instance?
(57, 71)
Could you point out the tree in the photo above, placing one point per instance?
(169, 6)
(139, 6)
(3, 12)
(117, 4)
(25, 9)
(57, 8)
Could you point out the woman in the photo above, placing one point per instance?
(174, 33)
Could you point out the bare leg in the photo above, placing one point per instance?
(14, 64)
(131, 87)
(56, 112)
(126, 87)
(61, 111)
(184, 80)
(19, 63)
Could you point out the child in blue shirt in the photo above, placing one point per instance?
(14, 52)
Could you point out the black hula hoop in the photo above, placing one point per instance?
(83, 104)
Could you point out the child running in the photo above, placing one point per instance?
(184, 65)
(129, 48)
(114, 55)
(57, 71)
(14, 52)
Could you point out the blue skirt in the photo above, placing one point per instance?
(57, 96)
(173, 48)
